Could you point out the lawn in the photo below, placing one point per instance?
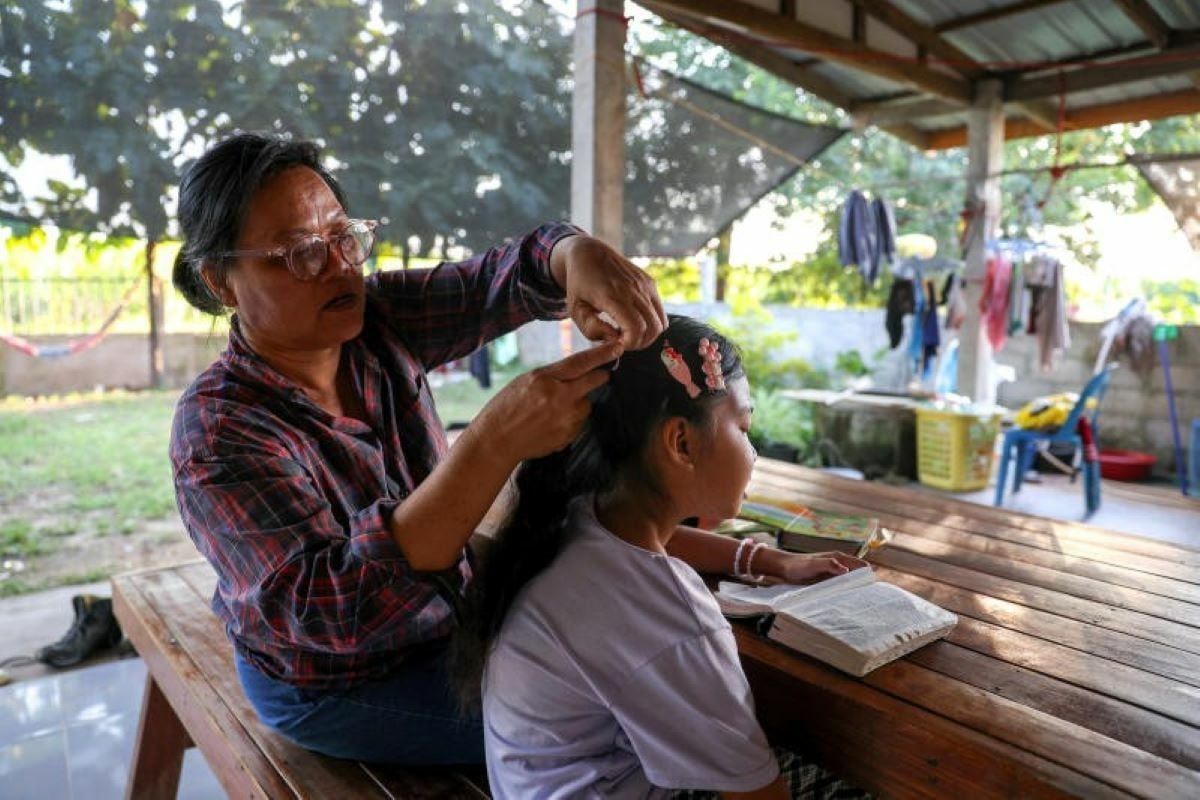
(85, 483)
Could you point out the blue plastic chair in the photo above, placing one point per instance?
(1020, 445)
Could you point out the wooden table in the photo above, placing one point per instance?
(1074, 669)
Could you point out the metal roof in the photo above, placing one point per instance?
(912, 66)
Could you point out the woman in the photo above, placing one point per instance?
(310, 466)
(607, 668)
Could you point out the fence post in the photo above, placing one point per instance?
(155, 312)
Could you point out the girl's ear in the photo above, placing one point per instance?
(217, 285)
(679, 440)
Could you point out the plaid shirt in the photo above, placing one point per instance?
(292, 505)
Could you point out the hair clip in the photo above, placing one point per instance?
(678, 369)
(710, 365)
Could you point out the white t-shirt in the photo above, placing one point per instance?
(615, 676)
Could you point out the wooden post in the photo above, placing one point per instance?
(985, 143)
(154, 302)
(598, 120)
(158, 751)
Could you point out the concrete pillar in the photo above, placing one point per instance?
(598, 120)
(985, 146)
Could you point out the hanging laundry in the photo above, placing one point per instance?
(1049, 323)
(916, 331)
(900, 302)
(1017, 306)
(930, 334)
(993, 303)
(955, 300)
(866, 235)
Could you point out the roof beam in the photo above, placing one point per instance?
(1145, 17)
(1171, 61)
(784, 32)
(1143, 108)
(971, 20)
(795, 74)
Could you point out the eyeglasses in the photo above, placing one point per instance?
(307, 256)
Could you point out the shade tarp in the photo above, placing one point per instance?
(448, 121)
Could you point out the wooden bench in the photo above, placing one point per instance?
(193, 698)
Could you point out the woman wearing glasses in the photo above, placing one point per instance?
(310, 465)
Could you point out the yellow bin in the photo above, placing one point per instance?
(955, 449)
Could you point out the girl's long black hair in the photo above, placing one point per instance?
(640, 394)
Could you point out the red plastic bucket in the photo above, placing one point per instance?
(1125, 465)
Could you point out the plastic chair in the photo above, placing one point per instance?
(1021, 445)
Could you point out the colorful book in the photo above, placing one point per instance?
(804, 529)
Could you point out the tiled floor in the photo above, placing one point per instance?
(70, 736)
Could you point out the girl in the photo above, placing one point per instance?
(607, 668)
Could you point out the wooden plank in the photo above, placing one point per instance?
(1115, 763)
(1142, 14)
(1152, 657)
(1183, 637)
(837, 719)
(922, 504)
(1150, 107)
(1163, 696)
(157, 750)
(1062, 582)
(309, 773)
(1181, 582)
(228, 749)
(780, 31)
(1145, 730)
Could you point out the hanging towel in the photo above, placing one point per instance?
(858, 235)
(955, 301)
(1053, 335)
(930, 335)
(993, 303)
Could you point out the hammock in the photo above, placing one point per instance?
(74, 346)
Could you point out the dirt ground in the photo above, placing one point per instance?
(83, 549)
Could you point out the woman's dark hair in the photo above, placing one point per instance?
(213, 196)
(640, 394)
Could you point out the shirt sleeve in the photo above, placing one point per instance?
(689, 716)
(449, 311)
(290, 570)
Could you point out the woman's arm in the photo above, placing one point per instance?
(537, 413)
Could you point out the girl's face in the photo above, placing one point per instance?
(726, 456)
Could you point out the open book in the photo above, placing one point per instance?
(853, 621)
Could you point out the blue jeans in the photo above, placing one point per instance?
(407, 717)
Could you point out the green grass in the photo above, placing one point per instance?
(96, 464)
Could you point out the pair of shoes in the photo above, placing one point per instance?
(95, 628)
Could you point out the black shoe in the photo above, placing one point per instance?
(95, 628)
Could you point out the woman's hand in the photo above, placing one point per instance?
(544, 409)
(781, 566)
(599, 280)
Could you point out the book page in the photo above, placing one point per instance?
(737, 599)
(871, 620)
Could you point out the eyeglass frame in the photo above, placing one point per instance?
(328, 239)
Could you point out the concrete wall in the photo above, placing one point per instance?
(1134, 415)
(120, 361)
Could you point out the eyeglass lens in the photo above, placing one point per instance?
(309, 256)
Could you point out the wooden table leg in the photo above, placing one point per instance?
(158, 751)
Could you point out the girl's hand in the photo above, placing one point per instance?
(599, 280)
(809, 567)
(543, 410)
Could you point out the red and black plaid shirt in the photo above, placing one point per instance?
(291, 504)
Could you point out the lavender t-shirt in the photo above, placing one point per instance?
(615, 676)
